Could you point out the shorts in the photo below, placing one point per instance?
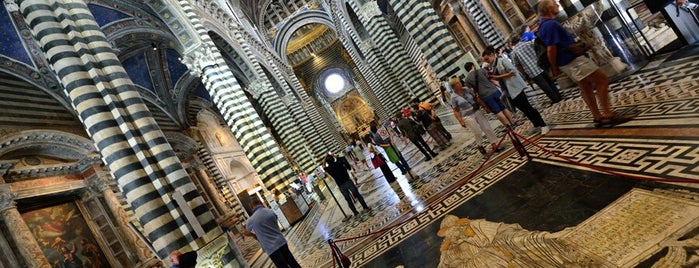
(494, 103)
(579, 68)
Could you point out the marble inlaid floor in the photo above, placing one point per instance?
(661, 142)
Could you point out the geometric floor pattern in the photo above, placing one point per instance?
(661, 142)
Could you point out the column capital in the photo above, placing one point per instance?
(98, 182)
(366, 45)
(198, 58)
(256, 87)
(11, 5)
(7, 197)
(370, 10)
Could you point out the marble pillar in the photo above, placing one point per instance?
(24, 241)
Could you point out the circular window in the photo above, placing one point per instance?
(334, 83)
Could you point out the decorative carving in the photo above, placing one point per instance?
(370, 10)
(97, 183)
(256, 88)
(367, 45)
(7, 198)
(11, 6)
(199, 58)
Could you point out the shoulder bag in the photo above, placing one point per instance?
(476, 96)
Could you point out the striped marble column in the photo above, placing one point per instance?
(123, 130)
(426, 28)
(203, 59)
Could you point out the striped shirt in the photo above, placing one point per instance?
(524, 54)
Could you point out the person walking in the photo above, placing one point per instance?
(469, 114)
(337, 167)
(515, 87)
(262, 225)
(413, 131)
(593, 83)
(523, 56)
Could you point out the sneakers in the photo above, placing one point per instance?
(545, 130)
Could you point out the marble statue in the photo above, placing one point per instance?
(582, 26)
(481, 243)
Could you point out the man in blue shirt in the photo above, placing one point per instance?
(580, 69)
(262, 225)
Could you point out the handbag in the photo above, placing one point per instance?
(377, 160)
(578, 48)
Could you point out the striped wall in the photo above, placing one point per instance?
(128, 138)
(428, 31)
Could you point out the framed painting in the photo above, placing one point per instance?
(65, 237)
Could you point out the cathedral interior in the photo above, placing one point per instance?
(131, 129)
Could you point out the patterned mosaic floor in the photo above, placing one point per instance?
(660, 142)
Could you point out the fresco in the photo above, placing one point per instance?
(65, 237)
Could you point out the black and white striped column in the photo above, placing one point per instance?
(430, 33)
(128, 138)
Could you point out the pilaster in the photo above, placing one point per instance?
(25, 242)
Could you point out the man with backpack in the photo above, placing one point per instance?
(524, 57)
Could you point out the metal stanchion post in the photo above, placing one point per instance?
(336, 202)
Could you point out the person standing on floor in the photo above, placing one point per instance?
(479, 81)
(358, 152)
(381, 136)
(524, 58)
(262, 225)
(579, 68)
(380, 162)
(515, 87)
(414, 133)
(425, 118)
(338, 168)
(469, 114)
(429, 109)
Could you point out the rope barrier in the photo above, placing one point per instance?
(335, 251)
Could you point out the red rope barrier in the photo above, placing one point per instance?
(611, 172)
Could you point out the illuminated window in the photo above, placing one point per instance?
(334, 83)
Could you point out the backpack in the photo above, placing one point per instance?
(542, 56)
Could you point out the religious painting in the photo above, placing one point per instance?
(64, 237)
